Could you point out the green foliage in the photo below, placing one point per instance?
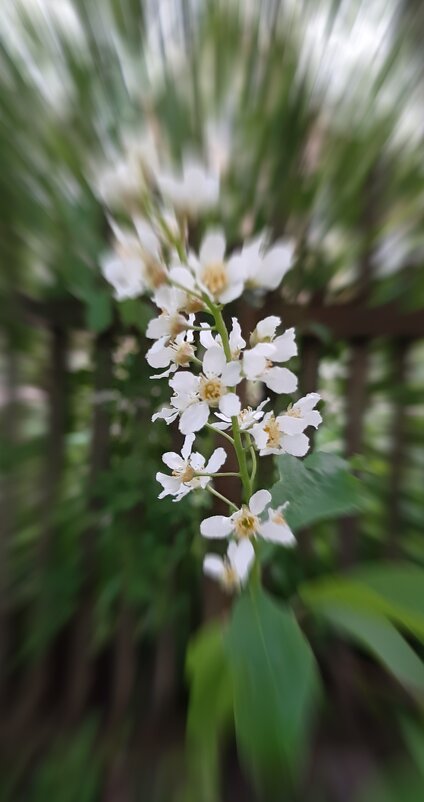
(392, 591)
(367, 606)
(210, 709)
(275, 684)
(71, 772)
(318, 488)
(99, 311)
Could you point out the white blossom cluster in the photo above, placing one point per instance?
(203, 362)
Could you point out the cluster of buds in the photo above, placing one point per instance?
(204, 362)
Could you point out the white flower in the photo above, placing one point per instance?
(170, 322)
(258, 366)
(195, 395)
(247, 524)
(185, 467)
(123, 269)
(300, 415)
(236, 341)
(263, 269)
(193, 191)
(246, 418)
(221, 280)
(270, 437)
(176, 353)
(232, 572)
(154, 271)
(134, 263)
(284, 345)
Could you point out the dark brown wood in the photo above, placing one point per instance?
(356, 399)
(36, 679)
(398, 446)
(80, 658)
(345, 321)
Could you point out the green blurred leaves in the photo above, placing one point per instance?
(318, 488)
(211, 706)
(368, 606)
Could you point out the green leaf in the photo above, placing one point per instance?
(275, 685)
(318, 488)
(99, 311)
(393, 591)
(210, 710)
(135, 312)
(381, 639)
(402, 589)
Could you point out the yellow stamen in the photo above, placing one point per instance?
(211, 390)
(245, 523)
(215, 277)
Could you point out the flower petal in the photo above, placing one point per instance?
(173, 461)
(216, 460)
(259, 501)
(296, 445)
(254, 364)
(231, 375)
(241, 556)
(194, 417)
(267, 327)
(285, 346)
(216, 527)
(275, 264)
(214, 361)
(230, 404)
(232, 292)
(280, 380)
(213, 246)
(291, 425)
(213, 566)
(188, 445)
(184, 382)
(277, 533)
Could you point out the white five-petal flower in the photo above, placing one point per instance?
(220, 279)
(194, 395)
(247, 523)
(232, 571)
(186, 468)
(270, 439)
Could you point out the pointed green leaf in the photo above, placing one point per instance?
(381, 639)
(275, 684)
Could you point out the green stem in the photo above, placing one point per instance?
(254, 465)
(220, 431)
(238, 445)
(223, 498)
(231, 473)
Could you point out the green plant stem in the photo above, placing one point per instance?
(254, 466)
(219, 475)
(223, 498)
(220, 431)
(238, 445)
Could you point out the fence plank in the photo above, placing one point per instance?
(399, 368)
(79, 676)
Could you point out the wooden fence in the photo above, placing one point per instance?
(56, 691)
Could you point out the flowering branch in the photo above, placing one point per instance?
(205, 362)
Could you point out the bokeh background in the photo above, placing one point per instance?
(313, 114)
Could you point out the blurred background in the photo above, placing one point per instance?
(312, 113)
